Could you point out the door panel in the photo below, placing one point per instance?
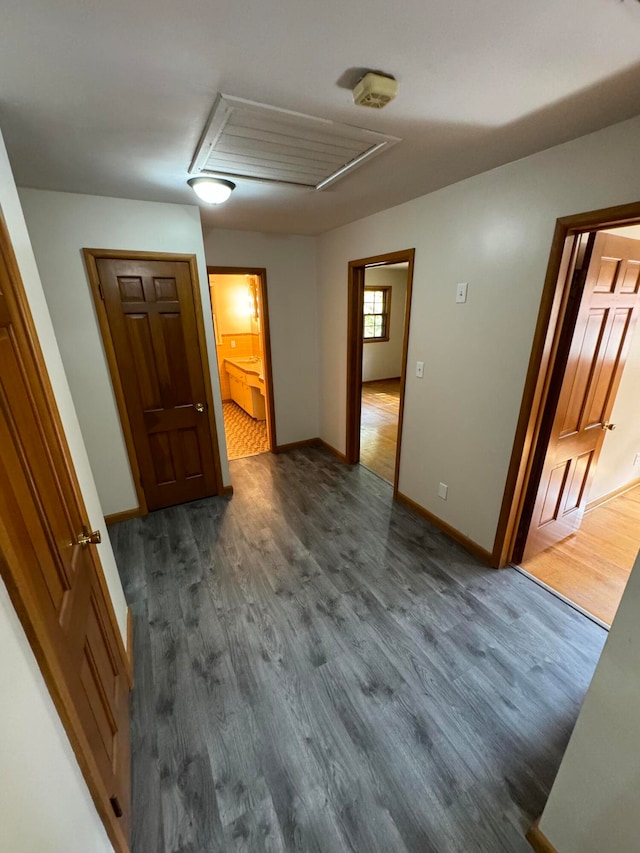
(53, 580)
(152, 321)
(608, 310)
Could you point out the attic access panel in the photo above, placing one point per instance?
(262, 143)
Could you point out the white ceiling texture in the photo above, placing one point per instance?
(110, 97)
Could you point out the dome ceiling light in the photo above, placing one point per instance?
(212, 190)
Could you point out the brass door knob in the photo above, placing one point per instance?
(200, 407)
(89, 538)
(607, 425)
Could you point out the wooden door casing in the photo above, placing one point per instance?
(57, 585)
(159, 361)
(588, 380)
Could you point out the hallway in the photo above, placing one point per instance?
(318, 669)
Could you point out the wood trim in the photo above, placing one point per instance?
(538, 840)
(355, 342)
(130, 618)
(354, 362)
(125, 515)
(328, 447)
(603, 499)
(226, 492)
(403, 370)
(261, 273)
(468, 544)
(547, 337)
(206, 369)
(21, 599)
(297, 445)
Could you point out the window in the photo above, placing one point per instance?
(377, 308)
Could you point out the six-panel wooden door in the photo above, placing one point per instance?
(51, 566)
(152, 322)
(608, 311)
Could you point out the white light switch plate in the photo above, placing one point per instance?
(442, 491)
(461, 291)
(419, 369)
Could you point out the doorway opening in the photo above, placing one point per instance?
(576, 521)
(378, 333)
(240, 311)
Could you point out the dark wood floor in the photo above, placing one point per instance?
(318, 669)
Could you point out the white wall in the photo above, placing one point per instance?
(44, 802)
(493, 231)
(60, 225)
(616, 465)
(383, 359)
(291, 286)
(593, 805)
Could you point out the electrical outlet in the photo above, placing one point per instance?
(442, 491)
(461, 291)
(419, 369)
(233, 344)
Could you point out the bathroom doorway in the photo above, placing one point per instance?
(240, 311)
(378, 333)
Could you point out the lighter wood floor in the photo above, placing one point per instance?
(379, 426)
(320, 670)
(592, 567)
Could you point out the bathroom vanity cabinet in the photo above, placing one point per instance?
(247, 385)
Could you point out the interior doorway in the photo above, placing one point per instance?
(579, 527)
(240, 309)
(379, 312)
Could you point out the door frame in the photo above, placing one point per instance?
(21, 597)
(355, 343)
(261, 274)
(540, 395)
(91, 257)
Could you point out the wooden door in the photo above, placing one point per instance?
(588, 382)
(152, 322)
(51, 569)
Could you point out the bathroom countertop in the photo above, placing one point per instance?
(248, 364)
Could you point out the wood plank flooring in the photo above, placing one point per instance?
(379, 426)
(592, 567)
(320, 670)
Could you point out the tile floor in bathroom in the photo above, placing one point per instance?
(245, 435)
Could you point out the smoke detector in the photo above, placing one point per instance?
(375, 90)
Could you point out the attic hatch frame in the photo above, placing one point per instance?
(224, 108)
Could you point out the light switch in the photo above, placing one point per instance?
(461, 291)
(442, 491)
(419, 369)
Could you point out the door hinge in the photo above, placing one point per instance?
(101, 291)
(115, 805)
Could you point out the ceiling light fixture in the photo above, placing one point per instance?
(212, 190)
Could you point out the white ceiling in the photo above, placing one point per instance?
(110, 97)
